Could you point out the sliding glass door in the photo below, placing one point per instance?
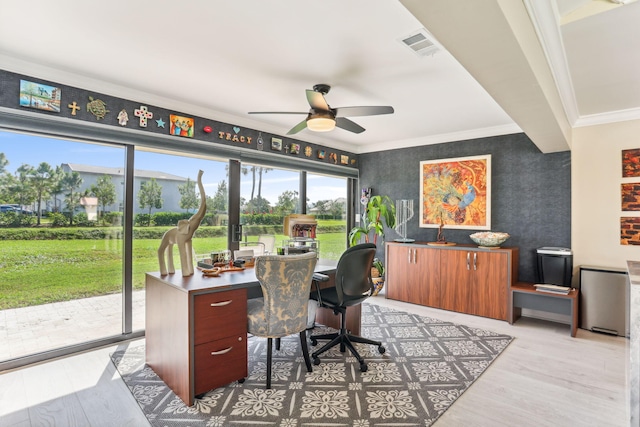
(61, 248)
(166, 191)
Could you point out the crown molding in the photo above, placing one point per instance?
(608, 117)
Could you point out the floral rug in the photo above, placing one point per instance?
(427, 366)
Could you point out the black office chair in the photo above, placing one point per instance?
(353, 285)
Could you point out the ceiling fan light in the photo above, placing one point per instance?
(321, 124)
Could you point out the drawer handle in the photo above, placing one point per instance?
(221, 303)
(218, 353)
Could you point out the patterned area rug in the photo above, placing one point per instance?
(427, 366)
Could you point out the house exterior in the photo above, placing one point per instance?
(168, 182)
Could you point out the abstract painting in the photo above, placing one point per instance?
(630, 196)
(456, 193)
(629, 227)
(631, 163)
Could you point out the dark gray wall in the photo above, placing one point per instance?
(530, 191)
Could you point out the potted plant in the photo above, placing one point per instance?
(379, 212)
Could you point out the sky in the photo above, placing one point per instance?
(32, 150)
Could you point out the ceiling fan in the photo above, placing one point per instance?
(322, 118)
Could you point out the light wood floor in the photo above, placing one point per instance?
(544, 378)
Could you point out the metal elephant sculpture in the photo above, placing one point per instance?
(181, 235)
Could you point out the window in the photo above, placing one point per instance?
(327, 201)
(61, 250)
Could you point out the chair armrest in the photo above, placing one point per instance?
(317, 278)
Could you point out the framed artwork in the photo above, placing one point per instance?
(39, 96)
(276, 144)
(181, 126)
(295, 148)
(456, 193)
(631, 163)
(344, 160)
(630, 193)
(321, 154)
(629, 231)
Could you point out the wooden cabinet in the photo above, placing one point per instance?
(460, 278)
(195, 341)
(414, 275)
(220, 338)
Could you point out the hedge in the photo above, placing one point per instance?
(100, 233)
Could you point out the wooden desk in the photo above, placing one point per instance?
(196, 328)
(524, 295)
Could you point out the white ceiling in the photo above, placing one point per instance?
(222, 59)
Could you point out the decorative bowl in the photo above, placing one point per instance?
(489, 239)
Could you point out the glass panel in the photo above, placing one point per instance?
(166, 191)
(327, 201)
(61, 252)
(267, 195)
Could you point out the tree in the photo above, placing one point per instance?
(105, 191)
(322, 207)
(287, 202)
(57, 188)
(220, 199)
(42, 179)
(189, 199)
(70, 182)
(336, 208)
(150, 196)
(258, 205)
(20, 187)
(262, 170)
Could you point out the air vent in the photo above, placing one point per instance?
(420, 43)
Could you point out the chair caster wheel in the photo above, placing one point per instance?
(314, 341)
(363, 367)
(241, 380)
(316, 361)
(381, 350)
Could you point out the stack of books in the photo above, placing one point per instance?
(554, 289)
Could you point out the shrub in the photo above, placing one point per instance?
(58, 219)
(142, 220)
(112, 218)
(169, 218)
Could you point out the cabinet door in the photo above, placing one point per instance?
(455, 279)
(489, 286)
(413, 274)
(398, 284)
(425, 276)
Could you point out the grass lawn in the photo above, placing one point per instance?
(34, 272)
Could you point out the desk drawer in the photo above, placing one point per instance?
(219, 315)
(220, 362)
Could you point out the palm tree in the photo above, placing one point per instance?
(261, 170)
(70, 182)
(43, 180)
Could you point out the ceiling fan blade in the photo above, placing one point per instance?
(346, 124)
(316, 100)
(363, 111)
(297, 128)
(278, 112)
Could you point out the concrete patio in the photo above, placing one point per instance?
(35, 329)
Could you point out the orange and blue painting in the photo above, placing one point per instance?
(631, 163)
(181, 126)
(456, 193)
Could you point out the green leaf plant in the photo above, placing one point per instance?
(380, 212)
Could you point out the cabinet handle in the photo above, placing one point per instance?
(415, 256)
(475, 259)
(468, 260)
(409, 255)
(221, 303)
(218, 353)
